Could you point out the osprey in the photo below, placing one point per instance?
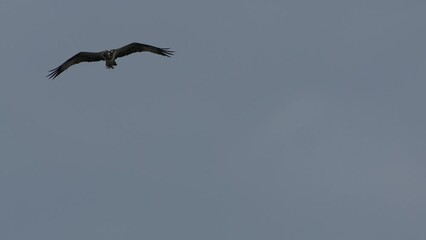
(108, 56)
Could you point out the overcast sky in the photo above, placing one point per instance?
(274, 120)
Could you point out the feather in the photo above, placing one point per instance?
(139, 47)
(76, 59)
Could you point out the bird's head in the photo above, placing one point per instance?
(107, 54)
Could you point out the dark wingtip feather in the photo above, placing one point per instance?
(166, 52)
(53, 73)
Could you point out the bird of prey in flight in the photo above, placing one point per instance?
(108, 56)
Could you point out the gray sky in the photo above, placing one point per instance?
(274, 120)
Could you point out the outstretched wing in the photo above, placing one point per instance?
(139, 47)
(78, 58)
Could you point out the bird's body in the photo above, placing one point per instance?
(109, 56)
